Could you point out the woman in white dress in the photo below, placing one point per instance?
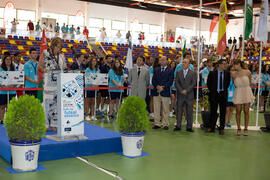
(51, 63)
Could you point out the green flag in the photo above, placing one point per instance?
(249, 18)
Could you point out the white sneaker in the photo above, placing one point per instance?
(151, 115)
(93, 118)
(87, 118)
(171, 115)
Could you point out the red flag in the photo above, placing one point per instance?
(213, 25)
(42, 48)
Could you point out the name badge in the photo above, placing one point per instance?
(36, 77)
(230, 93)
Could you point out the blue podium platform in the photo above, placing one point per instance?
(99, 141)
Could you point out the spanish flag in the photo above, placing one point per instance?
(223, 20)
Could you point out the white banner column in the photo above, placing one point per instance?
(259, 87)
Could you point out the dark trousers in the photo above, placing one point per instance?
(219, 99)
(31, 93)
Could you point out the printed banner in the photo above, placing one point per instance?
(8, 78)
(96, 78)
(70, 102)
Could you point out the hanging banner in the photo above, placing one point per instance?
(96, 78)
(8, 78)
(70, 105)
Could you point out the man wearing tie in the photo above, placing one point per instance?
(218, 82)
(162, 81)
(184, 83)
(139, 79)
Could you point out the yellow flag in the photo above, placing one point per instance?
(223, 19)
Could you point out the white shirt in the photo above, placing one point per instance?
(185, 72)
(18, 67)
(163, 68)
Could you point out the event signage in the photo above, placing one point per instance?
(70, 104)
(96, 78)
(8, 78)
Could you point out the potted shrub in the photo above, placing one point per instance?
(25, 125)
(132, 122)
(206, 112)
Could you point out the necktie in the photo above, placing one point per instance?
(185, 74)
(221, 81)
(139, 71)
(162, 69)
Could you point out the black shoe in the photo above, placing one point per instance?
(190, 130)
(155, 127)
(177, 128)
(151, 120)
(1, 122)
(166, 128)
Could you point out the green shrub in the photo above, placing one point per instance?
(133, 116)
(25, 119)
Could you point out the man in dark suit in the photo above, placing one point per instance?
(162, 81)
(184, 83)
(218, 82)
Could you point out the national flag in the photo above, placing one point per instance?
(223, 19)
(249, 18)
(183, 52)
(262, 27)
(42, 48)
(213, 25)
(129, 60)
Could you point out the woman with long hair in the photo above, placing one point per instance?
(6, 65)
(90, 94)
(115, 80)
(51, 63)
(243, 94)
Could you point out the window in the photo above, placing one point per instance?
(24, 15)
(95, 22)
(154, 29)
(107, 24)
(145, 28)
(135, 27)
(118, 25)
(60, 18)
(94, 32)
(76, 21)
(1, 12)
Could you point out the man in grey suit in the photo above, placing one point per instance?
(139, 78)
(184, 83)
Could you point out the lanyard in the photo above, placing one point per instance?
(35, 67)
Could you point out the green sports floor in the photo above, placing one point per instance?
(173, 156)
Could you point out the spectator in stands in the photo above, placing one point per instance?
(251, 38)
(139, 79)
(78, 65)
(240, 41)
(118, 34)
(128, 36)
(116, 79)
(63, 28)
(185, 82)
(30, 26)
(230, 106)
(57, 28)
(140, 37)
(14, 25)
(6, 65)
(30, 73)
(218, 82)
(67, 29)
(17, 62)
(86, 32)
(38, 28)
(51, 60)
(143, 38)
(44, 27)
(78, 31)
(103, 34)
(162, 81)
(234, 41)
(243, 95)
(90, 94)
(50, 28)
(171, 38)
(230, 42)
(71, 31)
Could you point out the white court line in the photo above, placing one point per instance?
(99, 168)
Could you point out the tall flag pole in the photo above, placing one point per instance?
(40, 74)
(262, 35)
(223, 19)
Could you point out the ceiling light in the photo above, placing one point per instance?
(231, 3)
(164, 1)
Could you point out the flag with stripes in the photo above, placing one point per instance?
(129, 60)
(223, 19)
(262, 27)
